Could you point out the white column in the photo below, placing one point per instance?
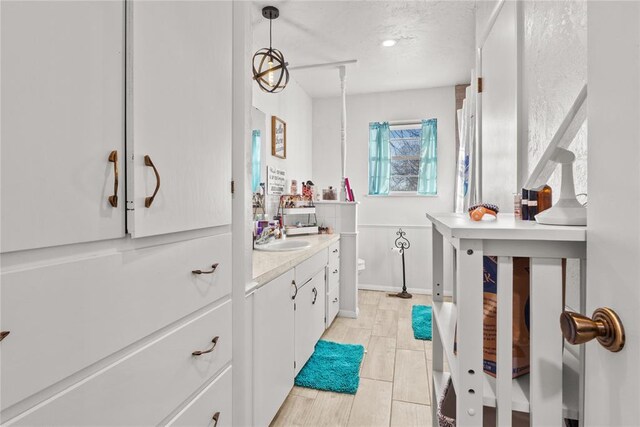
(343, 128)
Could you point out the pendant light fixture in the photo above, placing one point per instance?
(269, 67)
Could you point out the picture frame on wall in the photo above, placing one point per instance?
(278, 137)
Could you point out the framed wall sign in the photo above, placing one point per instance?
(278, 137)
(276, 179)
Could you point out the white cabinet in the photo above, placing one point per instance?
(179, 115)
(212, 407)
(62, 115)
(273, 346)
(310, 314)
(143, 388)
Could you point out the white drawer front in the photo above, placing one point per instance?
(308, 268)
(334, 254)
(76, 313)
(333, 277)
(143, 388)
(213, 401)
(333, 304)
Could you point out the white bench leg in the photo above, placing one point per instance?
(470, 333)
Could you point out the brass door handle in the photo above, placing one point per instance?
(213, 270)
(605, 326)
(4, 334)
(113, 158)
(214, 341)
(215, 418)
(149, 200)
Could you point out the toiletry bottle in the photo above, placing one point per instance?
(517, 205)
(533, 205)
(525, 204)
(544, 198)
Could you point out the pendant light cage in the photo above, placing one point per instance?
(269, 66)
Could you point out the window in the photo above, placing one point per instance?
(404, 145)
(403, 159)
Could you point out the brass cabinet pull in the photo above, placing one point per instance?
(293, 282)
(149, 200)
(213, 270)
(113, 158)
(4, 334)
(315, 295)
(215, 418)
(214, 341)
(605, 326)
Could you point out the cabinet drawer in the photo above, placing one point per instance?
(334, 254)
(76, 313)
(308, 268)
(333, 304)
(215, 400)
(144, 387)
(333, 277)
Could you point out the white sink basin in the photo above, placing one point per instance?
(284, 245)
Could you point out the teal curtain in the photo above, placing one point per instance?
(255, 161)
(428, 175)
(379, 158)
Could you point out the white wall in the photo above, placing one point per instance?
(294, 106)
(555, 59)
(380, 217)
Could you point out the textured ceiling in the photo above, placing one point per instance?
(435, 42)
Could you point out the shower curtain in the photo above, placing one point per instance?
(466, 132)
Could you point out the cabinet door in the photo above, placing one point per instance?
(62, 115)
(273, 347)
(179, 115)
(310, 314)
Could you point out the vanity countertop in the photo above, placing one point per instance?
(269, 265)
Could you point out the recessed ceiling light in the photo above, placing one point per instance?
(389, 43)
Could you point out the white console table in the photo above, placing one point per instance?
(552, 390)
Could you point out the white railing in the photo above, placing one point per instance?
(551, 391)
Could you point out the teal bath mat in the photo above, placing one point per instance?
(332, 367)
(421, 322)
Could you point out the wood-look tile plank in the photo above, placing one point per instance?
(366, 317)
(410, 381)
(357, 336)
(404, 414)
(406, 339)
(380, 359)
(304, 392)
(388, 302)
(369, 297)
(293, 411)
(372, 404)
(386, 323)
(330, 409)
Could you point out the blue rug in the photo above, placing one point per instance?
(332, 367)
(421, 322)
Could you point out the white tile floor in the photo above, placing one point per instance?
(394, 377)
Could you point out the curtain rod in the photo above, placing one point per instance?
(405, 122)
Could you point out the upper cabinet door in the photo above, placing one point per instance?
(178, 116)
(62, 115)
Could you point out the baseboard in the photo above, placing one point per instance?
(366, 287)
(349, 313)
